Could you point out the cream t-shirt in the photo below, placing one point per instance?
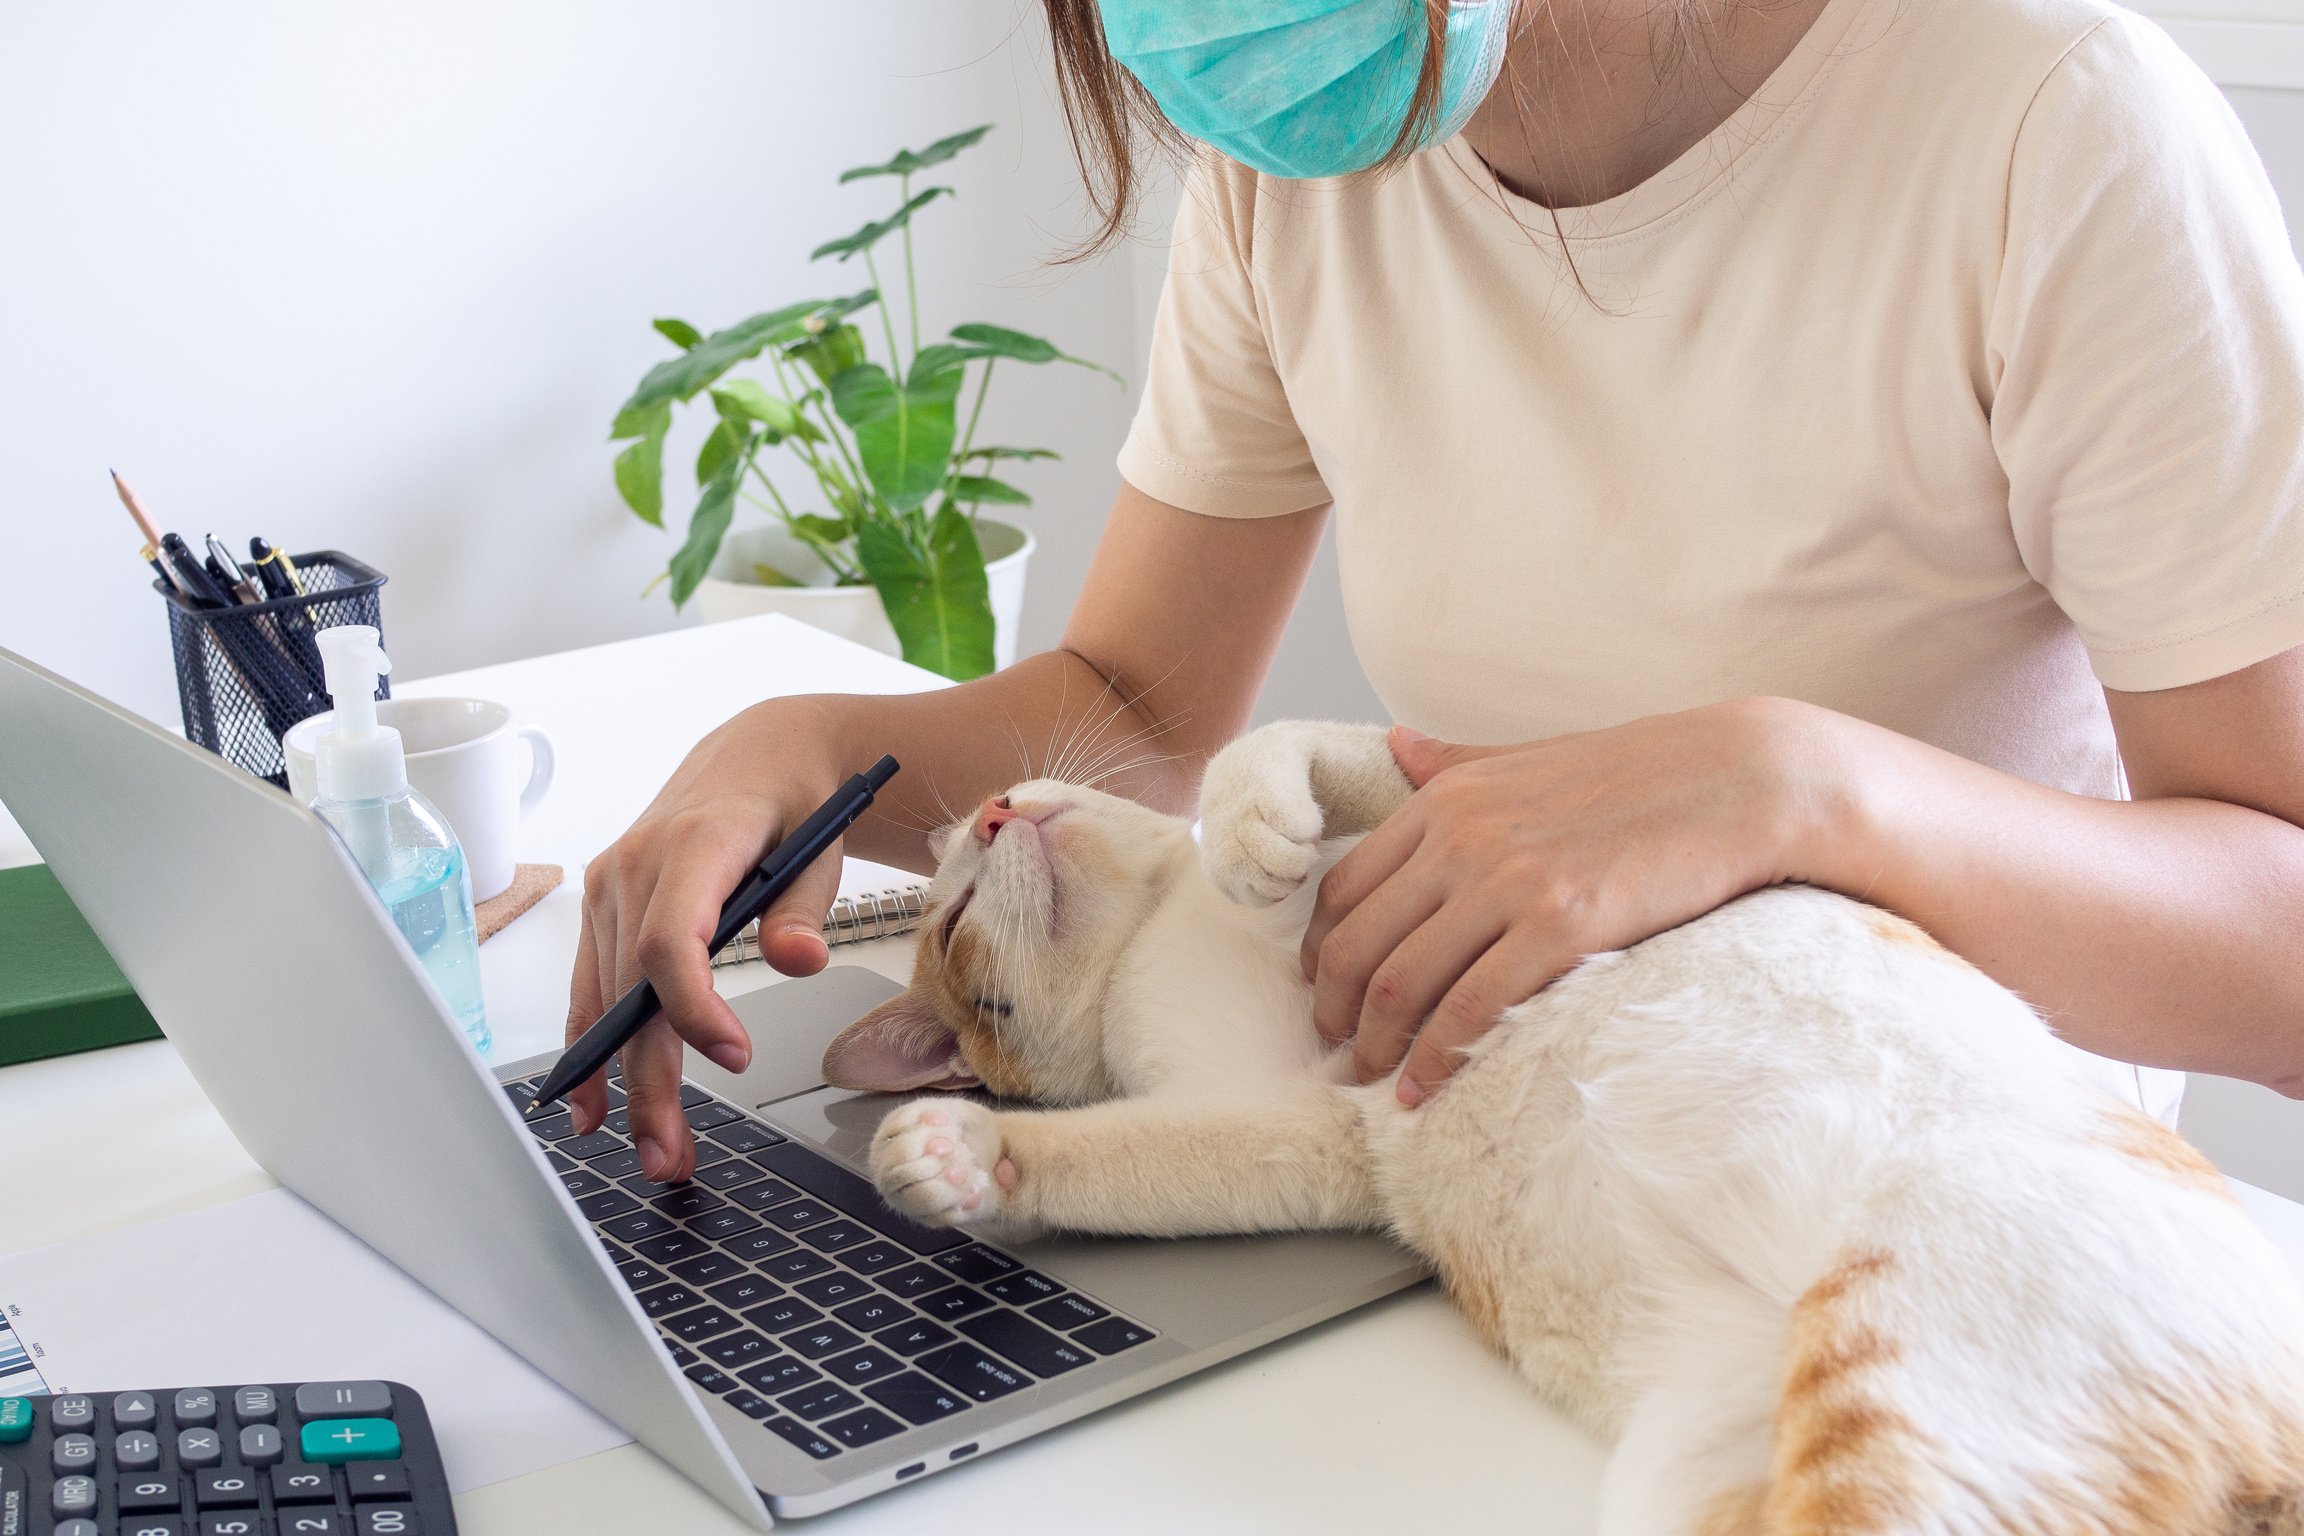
(1963, 363)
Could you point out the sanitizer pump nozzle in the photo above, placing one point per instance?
(357, 759)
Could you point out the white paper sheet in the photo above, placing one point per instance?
(267, 1289)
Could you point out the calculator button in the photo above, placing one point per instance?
(916, 1397)
(975, 1373)
(912, 1337)
(260, 1444)
(73, 1497)
(195, 1408)
(297, 1483)
(241, 1523)
(150, 1490)
(343, 1400)
(341, 1440)
(1112, 1335)
(798, 1434)
(73, 1453)
(76, 1528)
(314, 1521)
(820, 1401)
(377, 1480)
(863, 1427)
(76, 1411)
(1027, 1343)
(136, 1450)
(217, 1489)
(1067, 1312)
(134, 1410)
(199, 1447)
(15, 1420)
(386, 1520)
(255, 1405)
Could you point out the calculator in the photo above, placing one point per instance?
(317, 1458)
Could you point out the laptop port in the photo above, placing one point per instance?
(913, 1470)
(967, 1450)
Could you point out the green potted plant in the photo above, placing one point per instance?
(893, 543)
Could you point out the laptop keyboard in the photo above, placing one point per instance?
(781, 1282)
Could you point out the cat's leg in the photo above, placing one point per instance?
(1270, 798)
(1146, 1167)
(1692, 1455)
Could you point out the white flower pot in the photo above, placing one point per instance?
(854, 613)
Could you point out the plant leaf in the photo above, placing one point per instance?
(978, 488)
(903, 432)
(836, 351)
(872, 234)
(748, 400)
(714, 510)
(640, 468)
(999, 341)
(726, 444)
(768, 576)
(909, 162)
(678, 332)
(1012, 453)
(681, 377)
(937, 599)
(824, 530)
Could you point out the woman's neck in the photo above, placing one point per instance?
(1597, 96)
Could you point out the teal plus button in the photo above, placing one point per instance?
(332, 1440)
(15, 1420)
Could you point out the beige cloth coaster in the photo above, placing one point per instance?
(531, 883)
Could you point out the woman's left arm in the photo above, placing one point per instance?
(2161, 930)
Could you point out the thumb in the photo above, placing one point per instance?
(792, 929)
(1422, 757)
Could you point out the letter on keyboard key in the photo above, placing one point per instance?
(860, 1365)
(1025, 1342)
(912, 1337)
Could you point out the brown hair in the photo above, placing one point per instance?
(1112, 116)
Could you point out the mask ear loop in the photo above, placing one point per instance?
(1487, 64)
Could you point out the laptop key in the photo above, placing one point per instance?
(681, 1354)
(835, 1235)
(732, 1174)
(621, 1165)
(560, 1164)
(605, 1203)
(745, 1290)
(744, 1136)
(830, 1290)
(781, 1374)
(872, 1313)
(1067, 1311)
(708, 1377)
(918, 1399)
(672, 1247)
(683, 1201)
(697, 1326)
(801, 1436)
(820, 1401)
(977, 1263)
(598, 1144)
(863, 1427)
(1113, 1335)
(618, 1120)
(783, 1315)
(640, 1224)
(705, 1117)
(912, 1337)
(820, 1339)
(830, 1182)
(1022, 1288)
(975, 1373)
(708, 1154)
(757, 1246)
(706, 1268)
(583, 1181)
(789, 1267)
(861, 1365)
(798, 1213)
(665, 1300)
(1026, 1342)
(913, 1280)
(875, 1256)
(738, 1349)
(760, 1196)
(691, 1096)
(944, 1306)
(745, 1400)
(552, 1127)
(724, 1224)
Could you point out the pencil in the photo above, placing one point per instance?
(136, 510)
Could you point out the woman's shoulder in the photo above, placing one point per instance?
(2014, 49)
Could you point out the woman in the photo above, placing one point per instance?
(1808, 440)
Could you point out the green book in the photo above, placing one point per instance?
(59, 990)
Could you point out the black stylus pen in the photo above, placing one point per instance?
(770, 879)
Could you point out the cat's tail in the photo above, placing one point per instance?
(2147, 1393)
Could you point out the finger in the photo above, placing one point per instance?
(1376, 858)
(1423, 757)
(1365, 938)
(1512, 971)
(1413, 979)
(588, 1100)
(675, 952)
(652, 1080)
(792, 929)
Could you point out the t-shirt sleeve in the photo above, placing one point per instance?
(1214, 432)
(2147, 339)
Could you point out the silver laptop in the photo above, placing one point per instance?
(771, 1329)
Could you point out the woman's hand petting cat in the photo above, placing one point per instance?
(1511, 864)
(652, 899)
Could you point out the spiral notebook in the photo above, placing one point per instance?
(875, 902)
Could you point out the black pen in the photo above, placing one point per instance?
(191, 575)
(770, 879)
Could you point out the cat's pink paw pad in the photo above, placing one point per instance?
(936, 1161)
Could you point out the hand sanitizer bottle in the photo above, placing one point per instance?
(401, 843)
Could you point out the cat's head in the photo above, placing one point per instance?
(1035, 897)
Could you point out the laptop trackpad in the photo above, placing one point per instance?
(791, 1022)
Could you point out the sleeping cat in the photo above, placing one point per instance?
(1825, 1229)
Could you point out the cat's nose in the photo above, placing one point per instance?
(996, 814)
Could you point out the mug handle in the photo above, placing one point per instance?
(540, 768)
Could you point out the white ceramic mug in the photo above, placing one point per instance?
(479, 770)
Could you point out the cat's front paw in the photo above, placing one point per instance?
(939, 1161)
(1259, 846)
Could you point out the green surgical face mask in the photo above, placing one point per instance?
(1304, 88)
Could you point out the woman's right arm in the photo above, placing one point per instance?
(1160, 664)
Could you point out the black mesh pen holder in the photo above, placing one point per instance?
(246, 674)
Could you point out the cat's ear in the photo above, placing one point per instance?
(899, 1046)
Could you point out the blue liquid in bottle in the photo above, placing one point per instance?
(430, 899)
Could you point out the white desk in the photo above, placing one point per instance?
(1391, 1419)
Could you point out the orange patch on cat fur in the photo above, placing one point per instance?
(2230, 1466)
(955, 970)
(1739, 1512)
(2137, 1135)
(1843, 1461)
(1888, 928)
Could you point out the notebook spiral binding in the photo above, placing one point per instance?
(852, 920)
